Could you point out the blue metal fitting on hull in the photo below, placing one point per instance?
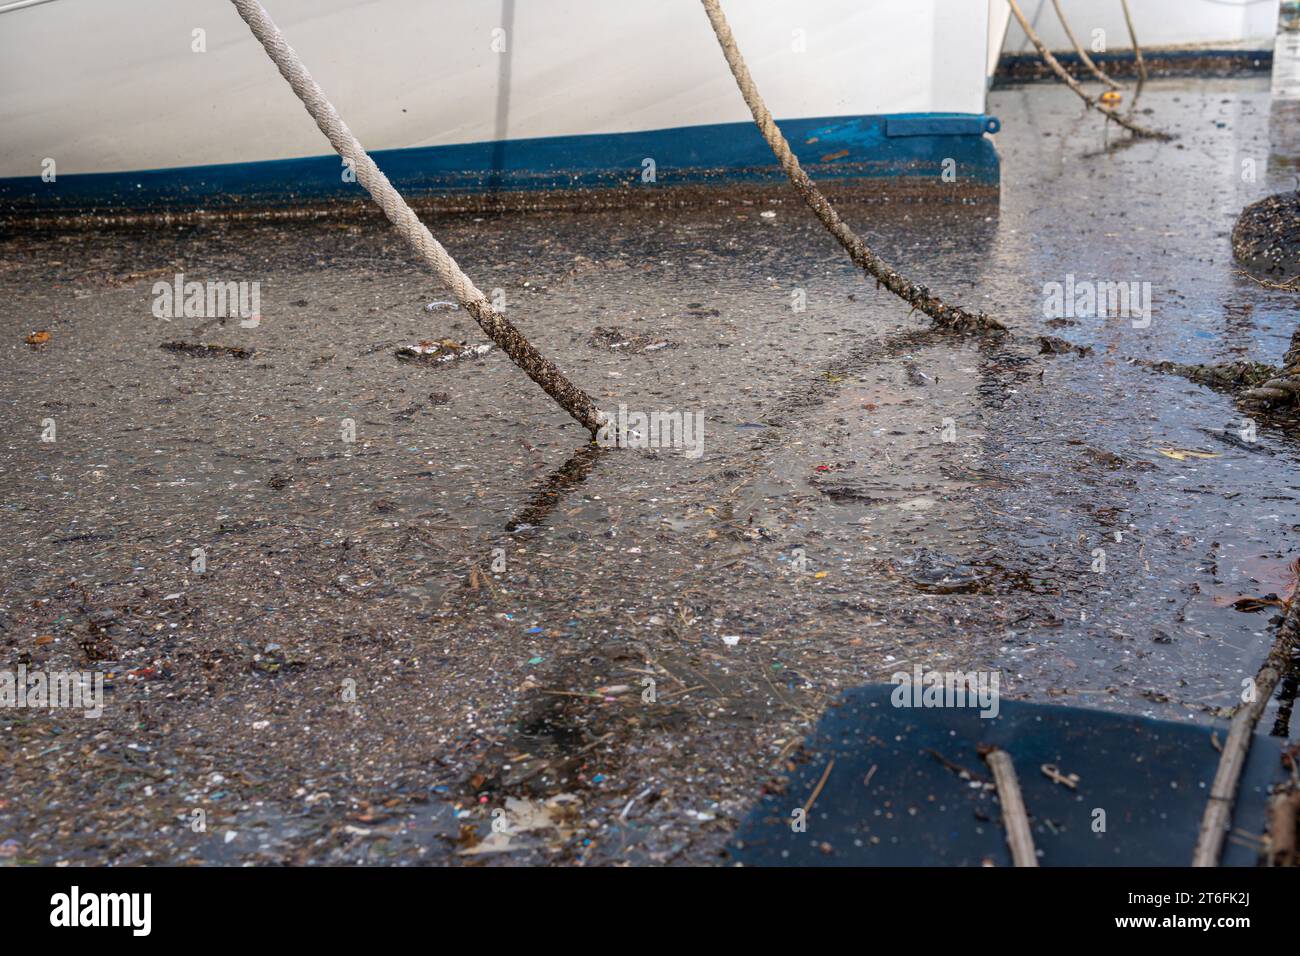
(955, 125)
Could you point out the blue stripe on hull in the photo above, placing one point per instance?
(911, 146)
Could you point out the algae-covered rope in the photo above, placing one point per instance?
(1086, 60)
(918, 296)
(1069, 81)
(1284, 388)
(1254, 383)
(552, 381)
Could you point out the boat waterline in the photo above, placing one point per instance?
(943, 150)
(470, 96)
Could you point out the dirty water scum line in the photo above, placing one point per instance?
(1086, 60)
(511, 341)
(1070, 81)
(917, 296)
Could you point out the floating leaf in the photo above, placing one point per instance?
(1182, 454)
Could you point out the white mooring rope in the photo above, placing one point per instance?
(1137, 50)
(917, 296)
(1079, 51)
(1055, 65)
(552, 381)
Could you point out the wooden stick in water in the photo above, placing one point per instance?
(1014, 816)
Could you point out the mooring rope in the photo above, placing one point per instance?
(917, 296)
(511, 341)
(1069, 81)
(1080, 51)
(1137, 50)
(1283, 388)
(1254, 383)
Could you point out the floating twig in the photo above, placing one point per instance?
(1014, 816)
(203, 349)
(818, 789)
(1241, 732)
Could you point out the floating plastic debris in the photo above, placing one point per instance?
(617, 339)
(441, 352)
(203, 349)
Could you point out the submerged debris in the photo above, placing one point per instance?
(937, 573)
(617, 339)
(1253, 382)
(203, 349)
(1052, 345)
(583, 265)
(1228, 376)
(441, 352)
(846, 490)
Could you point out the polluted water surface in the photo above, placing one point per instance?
(351, 599)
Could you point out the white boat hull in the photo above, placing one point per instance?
(153, 85)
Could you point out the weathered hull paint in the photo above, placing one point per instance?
(910, 147)
(471, 96)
